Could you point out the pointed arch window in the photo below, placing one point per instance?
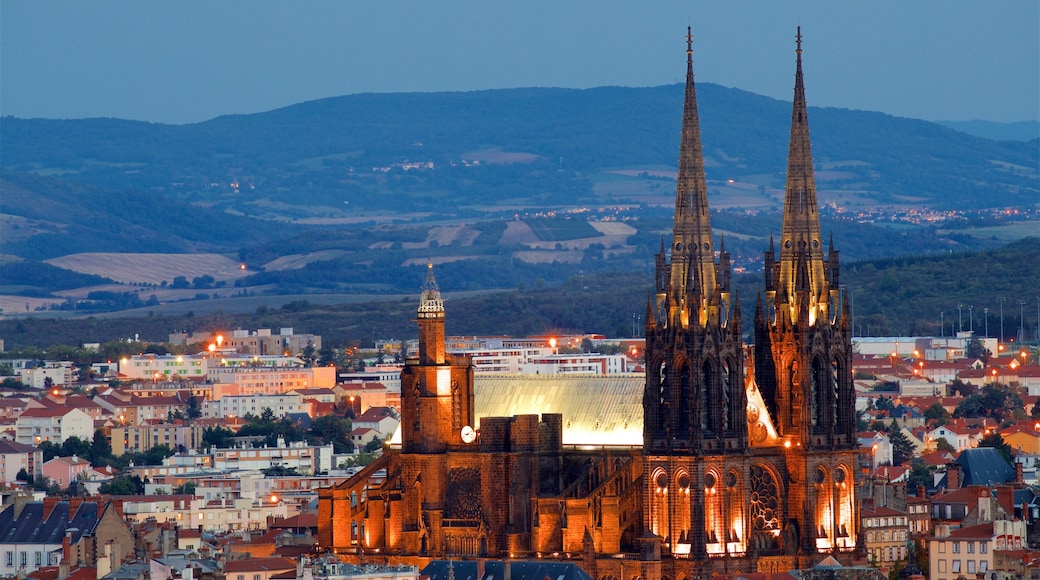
(659, 503)
(708, 415)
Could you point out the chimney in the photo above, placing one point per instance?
(1018, 473)
(48, 506)
(953, 476)
(480, 569)
(74, 503)
(66, 547)
(920, 490)
(19, 502)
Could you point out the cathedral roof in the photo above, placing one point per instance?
(597, 410)
(495, 570)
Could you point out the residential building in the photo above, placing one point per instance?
(62, 471)
(382, 420)
(875, 448)
(280, 404)
(55, 374)
(885, 533)
(306, 459)
(965, 552)
(14, 457)
(263, 342)
(229, 381)
(139, 438)
(54, 424)
(75, 532)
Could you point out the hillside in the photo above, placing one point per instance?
(902, 296)
(360, 156)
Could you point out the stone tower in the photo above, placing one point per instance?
(803, 351)
(436, 390)
(694, 406)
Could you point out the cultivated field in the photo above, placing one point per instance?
(151, 268)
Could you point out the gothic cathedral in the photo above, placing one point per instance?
(748, 454)
(754, 465)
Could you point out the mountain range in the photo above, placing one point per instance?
(350, 194)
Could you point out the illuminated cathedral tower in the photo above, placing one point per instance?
(694, 406)
(803, 350)
(746, 469)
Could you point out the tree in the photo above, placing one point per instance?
(309, 354)
(943, 445)
(123, 485)
(920, 474)
(902, 447)
(100, 448)
(332, 429)
(936, 413)
(884, 404)
(994, 440)
(374, 445)
(23, 475)
(217, 436)
(50, 450)
(193, 409)
(75, 446)
(976, 349)
(186, 488)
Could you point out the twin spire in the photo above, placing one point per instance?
(693, 282)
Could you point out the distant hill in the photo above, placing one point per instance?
(890, 297)
(47, 217)
(1020, 131)
(519, 188)
(472, 152)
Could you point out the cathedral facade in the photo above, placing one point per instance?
(747, 460)
(749, 454)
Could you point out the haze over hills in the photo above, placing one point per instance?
(500, 188)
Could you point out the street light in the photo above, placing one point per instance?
(971, 320)
(1002, 300)
(985, 312)
(1021, 321)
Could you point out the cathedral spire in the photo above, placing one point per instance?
(692, 252)
(800, 236)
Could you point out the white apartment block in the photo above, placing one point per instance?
(242, 405)
(34, 426)
(222, 515)
(157, 367)
(60, 374)
(306, 459)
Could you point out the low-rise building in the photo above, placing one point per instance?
(885, 534)
(965, 552)
(75, 532)
(140, 438)
(14, 457)
(62, 471)
(280, 404)
(54, 424)
(306, 459)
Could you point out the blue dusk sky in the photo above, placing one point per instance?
(190, 60)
